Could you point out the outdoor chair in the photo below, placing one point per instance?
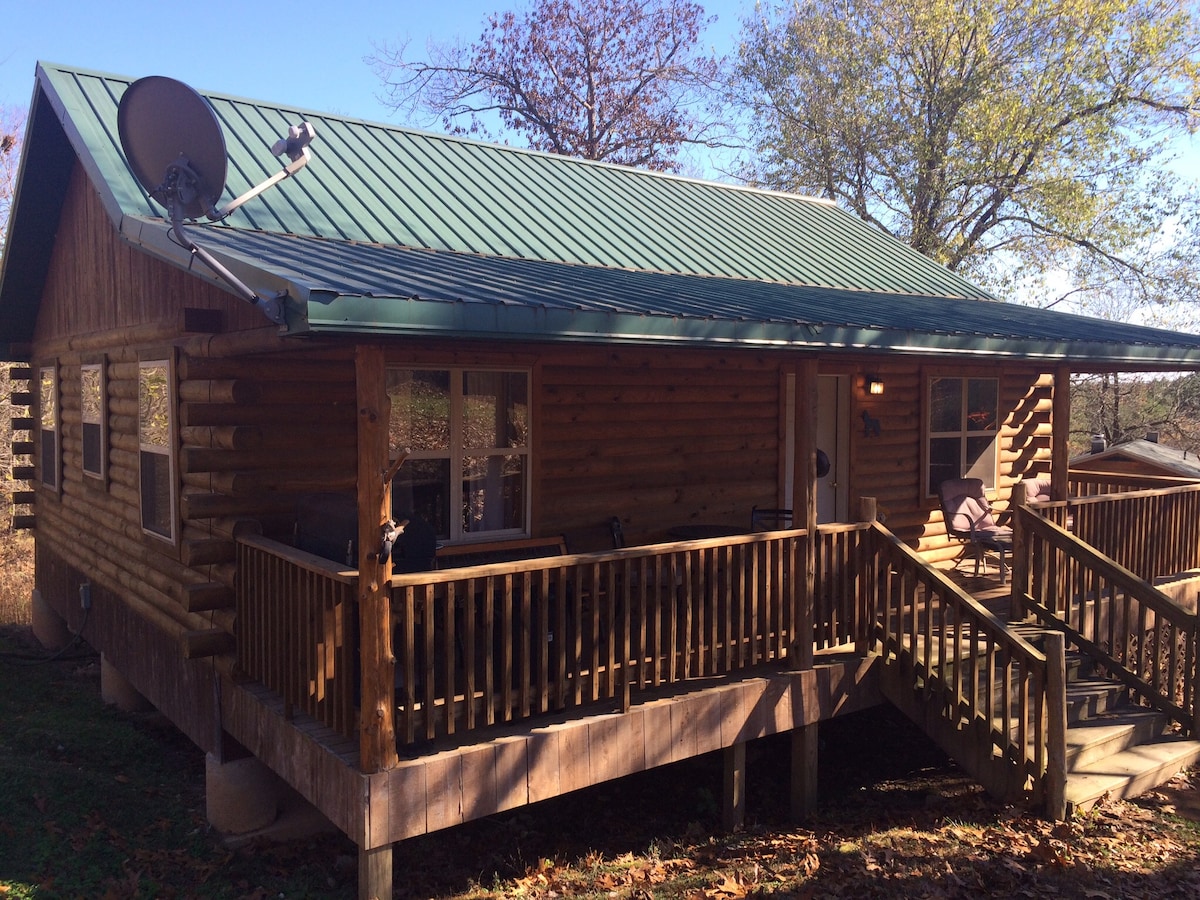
(1037, 490)
(762, 519)
(969, 519)
(618, 533)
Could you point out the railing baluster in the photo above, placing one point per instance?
(429, 664)
(448, 656)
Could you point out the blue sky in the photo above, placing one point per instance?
(291, 52)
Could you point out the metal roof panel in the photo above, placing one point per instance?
(381, 184)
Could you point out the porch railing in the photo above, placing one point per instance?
(978, 688)
(1152, 532)
(1106, 608)
(842, 612)
(488, 645)
(492, 644)
(297, 626)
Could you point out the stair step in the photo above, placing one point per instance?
(1130, 772)
(1088, 698)
(1097, 738)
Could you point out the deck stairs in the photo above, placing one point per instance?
(1116, 748)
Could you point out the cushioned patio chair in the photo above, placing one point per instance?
(969, 519)
(1037, 490)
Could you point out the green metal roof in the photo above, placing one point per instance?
(390, 230)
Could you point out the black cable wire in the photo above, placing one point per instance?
(28, 659)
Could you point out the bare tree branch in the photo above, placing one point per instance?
(615, 80)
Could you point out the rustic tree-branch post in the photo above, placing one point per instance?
(377, 737)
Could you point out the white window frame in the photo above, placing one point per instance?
(49, 427)
(457, 453)
(99, 419)
(963, 433)
(168, 451)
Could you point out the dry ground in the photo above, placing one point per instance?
(897, 820)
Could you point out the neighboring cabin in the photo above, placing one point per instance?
(1142, 457)
(555, 342)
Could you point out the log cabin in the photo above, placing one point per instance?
(470, 522)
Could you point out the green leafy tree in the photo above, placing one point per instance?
(1026, 145)
(615, 80)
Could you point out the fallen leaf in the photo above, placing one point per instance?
(728, 888)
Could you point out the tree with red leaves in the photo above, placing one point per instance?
(616, 80)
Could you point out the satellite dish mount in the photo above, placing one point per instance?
(175, 147)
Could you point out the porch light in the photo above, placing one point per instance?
(874, 385)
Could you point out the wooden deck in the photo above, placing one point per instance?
(986, 589)
(449, 776)
(541, 758)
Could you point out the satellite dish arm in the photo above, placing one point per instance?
(271, 307)
(296, 147)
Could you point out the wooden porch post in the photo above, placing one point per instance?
(733, 806)
(804, 505)
(1056, 726)
(1060, 418)
(804, 770)
(377, 736)
(377, 741)
(868, 586)
(1018, 563)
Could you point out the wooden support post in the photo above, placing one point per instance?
(804, 505)
(377, 738)
(377, 741)
(733, 807)
(804, 770)
(375, 873)
(1060, 417)
(868, 585)
(1195, 732)
(1018, 563)
(1056, 725)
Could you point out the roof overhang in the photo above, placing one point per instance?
(336, 288)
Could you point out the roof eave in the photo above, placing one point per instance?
(328, 313)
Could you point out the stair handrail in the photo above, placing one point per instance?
(1037, 753)
(1051, 566)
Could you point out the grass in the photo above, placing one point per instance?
(16, 577)
(99, 803)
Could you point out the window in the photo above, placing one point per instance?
(962, 430)
(154, 445)
(93, 413)
(48, 412)
(467, 432)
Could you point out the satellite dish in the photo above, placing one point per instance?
(168, 131)
(176, 150)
